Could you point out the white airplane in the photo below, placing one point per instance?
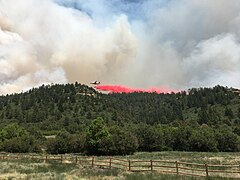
(95, 82)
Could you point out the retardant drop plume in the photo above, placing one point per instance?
(125, 89)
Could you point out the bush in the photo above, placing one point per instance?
(66, 143)
(22, 144)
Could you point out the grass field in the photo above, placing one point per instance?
(194, 157)
(27, 169)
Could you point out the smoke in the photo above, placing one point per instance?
(172, 43)
(214, 59)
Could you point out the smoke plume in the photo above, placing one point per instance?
(172, 43)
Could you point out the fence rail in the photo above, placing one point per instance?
(173, 167)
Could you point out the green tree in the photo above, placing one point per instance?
(203, 140)
(227, 140)
(150, 138)
(66, 143)
(12, 130)
(203, 116)
(60, 144)
(98, 138)
(229, 113)
(238, 113)
(124, 142)
(22, 144)
(181, 137)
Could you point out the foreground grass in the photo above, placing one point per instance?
(24, 170)
(27, 169)
(194, 157)
(153, 176)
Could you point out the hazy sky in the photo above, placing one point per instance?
(138, 43)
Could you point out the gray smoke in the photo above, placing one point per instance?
(174, 43)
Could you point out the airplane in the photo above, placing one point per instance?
(95, 82)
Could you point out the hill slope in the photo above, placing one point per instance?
(73, 107)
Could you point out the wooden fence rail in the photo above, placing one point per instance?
(173, 167)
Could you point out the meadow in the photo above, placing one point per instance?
(39, 169)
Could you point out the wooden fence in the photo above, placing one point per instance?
(173, 167)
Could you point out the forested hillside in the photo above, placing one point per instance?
(86, 121)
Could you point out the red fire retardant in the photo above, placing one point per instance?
(125, 89)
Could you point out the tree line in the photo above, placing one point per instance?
(86, 121)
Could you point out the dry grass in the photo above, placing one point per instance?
(38, 169)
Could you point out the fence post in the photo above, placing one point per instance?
(151, 165)
(46, 159)
(110, 163)
(61, 159)
(93, 161)
(76, 159)
(177, 167)
(206, 166)
(129, 165)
